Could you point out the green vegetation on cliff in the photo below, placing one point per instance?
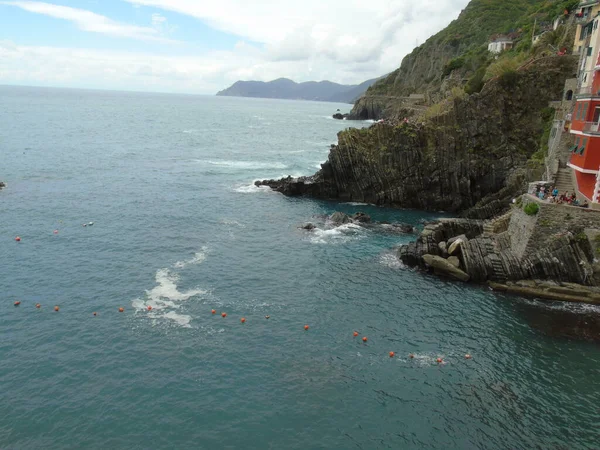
(458, 56)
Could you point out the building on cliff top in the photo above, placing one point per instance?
(500, 42)
(585, 124)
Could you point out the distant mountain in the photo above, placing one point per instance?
(325, 91)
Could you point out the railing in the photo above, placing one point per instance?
(591, 127)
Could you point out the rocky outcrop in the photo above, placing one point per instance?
(473, 155)
(340, 116)
(444, 267)
(555, 244)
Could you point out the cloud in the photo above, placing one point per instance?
(342, 31)
(89, 21)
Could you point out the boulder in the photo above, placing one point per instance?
(456, 238)
(454, 261)
(2, 185)
(443, 248)
(441, 266)
(339, 116)
(308, 226)
(340, 218)
(361, 217)
(454, 248)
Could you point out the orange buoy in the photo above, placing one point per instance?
(243, 320)
(121, 309)
(214, 311)
(355, 334)
(467, 356)
(149, 308)
(94, 313)
(18, 239)
(306, 327)
(55, 231)
(56, 308)
(392, 354)
(439, 360)
(365, 339)
(411, 356)
(223, 315)
(267, 317)
(17, 303)
(37, 305)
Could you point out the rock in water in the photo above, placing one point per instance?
(308, 226)
(2, 185)
(361, 217)
(339, 218)
(442, 266)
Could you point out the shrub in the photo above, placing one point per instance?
(531, 209)
(475, 83)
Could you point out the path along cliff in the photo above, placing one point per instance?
(473, 152)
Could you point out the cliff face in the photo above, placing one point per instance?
(456, 53)
(478, 147)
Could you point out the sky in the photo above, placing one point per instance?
(203, 46)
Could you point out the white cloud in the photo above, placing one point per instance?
(89, 21)
(343, 31)
(346, 41)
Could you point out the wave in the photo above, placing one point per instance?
(198, 258)
(165, 298)
(248, 165)
(252, 189)
(391, 260)
(343, 233)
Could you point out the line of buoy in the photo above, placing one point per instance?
(355, 334)
(149, 308)
(306, 327)
(392, 354)
(121, 309)
(94, 313)
(18, 239)
(267, 317)
(56, 308)
(17, 303)
(213, 311)
(38, 306)
(223, 315)
(243, 320)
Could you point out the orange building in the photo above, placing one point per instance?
(585, 124)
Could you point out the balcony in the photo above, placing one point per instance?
(591, 128)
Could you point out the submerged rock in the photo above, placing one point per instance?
(2, 185)
(361, 217)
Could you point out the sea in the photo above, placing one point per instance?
(138, 200)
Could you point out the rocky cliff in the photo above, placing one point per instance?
(477, 148)
(517, 251)
(459, 53)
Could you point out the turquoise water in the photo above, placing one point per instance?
(178, 225)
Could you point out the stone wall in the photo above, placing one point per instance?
(531, 233)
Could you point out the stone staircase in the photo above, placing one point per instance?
(564, 180)
(496, 225)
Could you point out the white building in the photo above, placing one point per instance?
(500, 44)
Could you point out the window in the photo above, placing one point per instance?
(589, 51)
(578, 111)
(576, 146)
(595, 24)
(569, 95)
(582, 148)
(585, 110)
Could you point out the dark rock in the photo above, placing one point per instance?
(473, 155)
(2, 185)
(340, 116)
(340, 218)
(308, 226)
(361, 217)
(403, 228)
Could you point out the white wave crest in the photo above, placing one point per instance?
(247, 165)
(198, 258)
(392, 261)
(165, 297)
(252, 189)
(340, 234)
